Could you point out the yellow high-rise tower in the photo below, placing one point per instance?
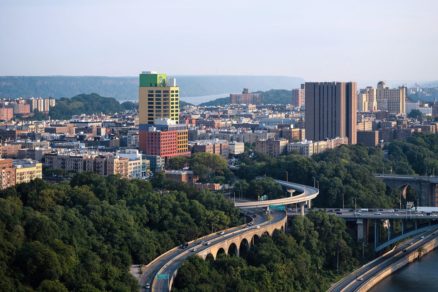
(158, 98)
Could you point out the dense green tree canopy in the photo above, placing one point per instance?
(83, 235)
(93, 103)
(306, 259)
(209, 167)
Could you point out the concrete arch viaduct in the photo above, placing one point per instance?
(242, 240)
(160, 272)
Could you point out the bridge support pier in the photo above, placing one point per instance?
(360, 229)
(309, 204)
(402, 226)
(302, 209)
(389, 230)
(376, 234)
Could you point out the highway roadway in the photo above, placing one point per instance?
(372, 213)
(306, 193)
(357, 279)
(152, 269)
(157, 274)
(161, 283)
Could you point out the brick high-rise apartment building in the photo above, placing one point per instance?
(331, 110)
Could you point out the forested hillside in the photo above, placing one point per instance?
(305, 259)
(126, 88)
(273, 96)
(93, 103)
(83, 235)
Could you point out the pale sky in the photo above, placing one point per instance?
(313, 39)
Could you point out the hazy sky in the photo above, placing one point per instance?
(314, 39)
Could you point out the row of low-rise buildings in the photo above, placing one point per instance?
(17, 171)
(128, 163)
(383, 98)
(309, 148)
(19, 107)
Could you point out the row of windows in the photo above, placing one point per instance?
(158, 98)
(160, 91)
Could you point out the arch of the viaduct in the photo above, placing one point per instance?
(244, 240)
(426, 188)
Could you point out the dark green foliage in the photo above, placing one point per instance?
(177, 162)
(93, 103)
(83, 235)
(207, 166)
(273, 96)
(129, 105)
(277, 96)
(344, 174)
(415, 114)
(210, 167)
(417, 154)
(304, 260)
(260, 186)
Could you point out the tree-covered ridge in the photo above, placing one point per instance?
(415, 155)
(273, 96)
(92, 103)
(343, 174)
(307, 258)
(83, 235)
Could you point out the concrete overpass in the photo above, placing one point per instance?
(425, 186)
(383, 227)
(243, 239)
(160, 273)
(306, 195)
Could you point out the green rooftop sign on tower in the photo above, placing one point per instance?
(152, 79)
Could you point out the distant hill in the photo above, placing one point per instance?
(273, 96)
(194, 89)
(93, 103)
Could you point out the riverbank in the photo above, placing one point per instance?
(407, 259)
(417, 276)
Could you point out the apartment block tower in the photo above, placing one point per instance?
(367, 101)
(298, 96)
(392, 100)
(158, 98)
(331, 110)
(159, 131)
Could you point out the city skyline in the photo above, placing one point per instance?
(394, 40)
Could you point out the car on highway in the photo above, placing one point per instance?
(184, 245)
(194, 249)
(339, 213)
(405, 250)
(378, 213)
(359, 279)
(258, 226)
(222, 233)
(422, 237)
(206, 243)
(147, 286)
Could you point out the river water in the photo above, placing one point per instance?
(420, 276)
